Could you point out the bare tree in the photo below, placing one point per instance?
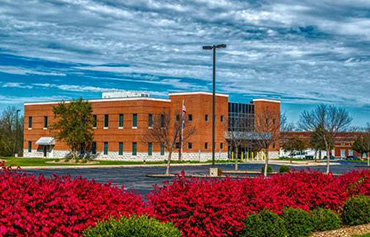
(325, 122)
(166, 131)
(11, 132)
(268, 124)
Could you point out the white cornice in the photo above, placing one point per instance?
(196, 93)
(266, 100)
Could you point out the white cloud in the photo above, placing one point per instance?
(16, 85)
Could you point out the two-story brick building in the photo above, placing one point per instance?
(122, 122)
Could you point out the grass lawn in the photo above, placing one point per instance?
(365, 235)
(22, 162)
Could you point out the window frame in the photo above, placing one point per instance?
(121, 119)
(106, 121)
(134, 121)
(105, 148)
(120, 148)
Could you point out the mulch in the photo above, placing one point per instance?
(345, 231)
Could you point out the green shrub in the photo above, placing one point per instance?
(269, 169)
(264, 224)
(284, 169)
(325, 219)
(356, 211)
(142, 226)
(297, 222)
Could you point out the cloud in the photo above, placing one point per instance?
(16, 85)
(302, 51)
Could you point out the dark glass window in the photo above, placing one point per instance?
(221, 145)
(134, 120)
(93, 148)
(150, 120)
(150, 149)
(177, 145)
(206, 145)
(30, 122)
(45, 121)
(120, 148)
(190, 145)
(134, 148)
(206, 117)
(95, 120)
(222, 118)
(163, 120)
(190, 117)
(162, 149)
(82, 148)
(120, 122)
(106, 120)
(177, 117)
(29, 146)
(105, 148)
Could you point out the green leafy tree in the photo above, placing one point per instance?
(362, 145)
(11, 132)
(293, 144)
(74, 124)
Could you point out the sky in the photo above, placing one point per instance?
(302, 52)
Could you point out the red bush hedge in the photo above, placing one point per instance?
(217, 207)
(58, 206)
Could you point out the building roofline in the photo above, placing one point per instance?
(196, 93)
(266, 100)
(101, 100)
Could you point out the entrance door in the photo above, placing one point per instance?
(45, 151)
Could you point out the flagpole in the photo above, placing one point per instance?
(182, 130)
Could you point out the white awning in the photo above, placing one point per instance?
(46, 141)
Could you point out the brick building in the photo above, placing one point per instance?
(343, 143)
(122, 122)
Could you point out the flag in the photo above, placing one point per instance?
(183, 114)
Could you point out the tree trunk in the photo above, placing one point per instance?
(236, 159)
(168, 163)
(328, 161)
(291, 158)
(368, 158)
(315, 155)
(266, 163)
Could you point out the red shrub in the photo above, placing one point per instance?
(217, 207)
(58, 206)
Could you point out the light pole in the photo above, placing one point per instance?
(213, 48)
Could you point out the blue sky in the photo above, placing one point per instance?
(304, 52)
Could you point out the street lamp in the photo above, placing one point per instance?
(213, 48)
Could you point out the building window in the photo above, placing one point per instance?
(190, 117)
(29, 146)
(45, 121)
(342, 153)
(273, 145)
(274, 121)
(163, 119)
(95, 120)
(177, 117)
(106, 121)
(82, 148)
(350, 152)
(120, 122)
(93, 148)
(30, 122)
(120, 148)
(134, 120)
(221, 145)
(177, 145)
(162, 149)
(222, 118)
(206, 145)
(150, 120)
(105, 148)
(206, 117)
(134, 148)
(150, 149)
(190, 145)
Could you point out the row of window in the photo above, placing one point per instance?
(134, 148)
(121, 120)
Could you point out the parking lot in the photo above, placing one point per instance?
(136, 179)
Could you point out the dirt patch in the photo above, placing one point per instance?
(345, 231)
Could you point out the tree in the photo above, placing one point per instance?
(362, 145)
(317, 144)
(325, 122)
(293, 144)
(268, 124)
(166, 131)
(11, 132)
(74, 124)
